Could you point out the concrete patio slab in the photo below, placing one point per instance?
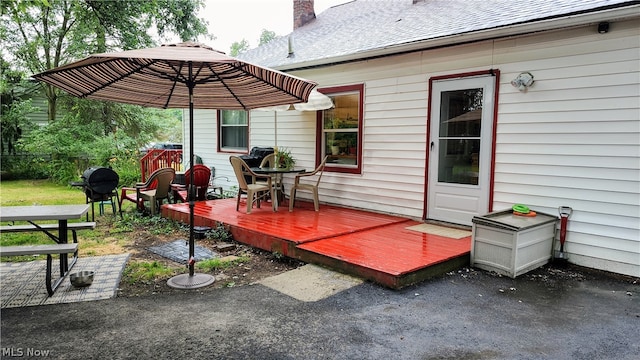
(310, 283)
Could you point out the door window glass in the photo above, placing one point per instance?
(459, 136)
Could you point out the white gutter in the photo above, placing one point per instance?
(501, 32)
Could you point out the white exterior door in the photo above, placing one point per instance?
(460, 148)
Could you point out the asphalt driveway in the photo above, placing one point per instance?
(547, 314)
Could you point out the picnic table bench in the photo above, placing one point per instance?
(73, 227)
(35, 213)
(49, 250)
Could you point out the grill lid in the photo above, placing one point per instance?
(100, 180)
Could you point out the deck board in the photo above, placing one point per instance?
(391, 249)
(374, 246)
(300, 226)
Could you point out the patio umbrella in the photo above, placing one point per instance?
(316, 101)
(167, 77)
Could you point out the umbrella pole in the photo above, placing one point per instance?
(192, 202)
(191, 281)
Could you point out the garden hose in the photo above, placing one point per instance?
(519, 208)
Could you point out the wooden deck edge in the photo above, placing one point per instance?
(391, 281)
(434, 270)
(263, 241)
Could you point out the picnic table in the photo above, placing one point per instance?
(32, 214)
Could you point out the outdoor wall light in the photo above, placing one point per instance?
(523, 81)
(603, 27)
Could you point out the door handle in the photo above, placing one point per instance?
(431, 146)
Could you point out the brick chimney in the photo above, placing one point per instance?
(302, 12)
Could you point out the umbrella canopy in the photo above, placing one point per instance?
(316, 101)
(161, 77)
(167, 77)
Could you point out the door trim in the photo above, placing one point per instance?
(496, 74)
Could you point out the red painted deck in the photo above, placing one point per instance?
(374, 246)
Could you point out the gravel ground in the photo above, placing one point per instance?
(549, 313)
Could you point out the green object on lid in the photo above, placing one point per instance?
(523, 209)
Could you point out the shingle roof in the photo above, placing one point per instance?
(361, 26)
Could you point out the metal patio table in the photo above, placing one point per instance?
(277, 173)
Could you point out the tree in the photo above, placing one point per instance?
(242, 46)
(13, 109)
(45, 34)
(239, 47)
(266, 36)
(39, 35)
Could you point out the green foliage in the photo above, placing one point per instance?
(219, 233)
(239, 47)
(231, 192)
(43, 35)
(266, 36)
(144, 271)
(155, 224)
(179, 16)
(83, 138)
(210, 265)
(284, 159)
(105, 117)
(23, 167)
(14, 108)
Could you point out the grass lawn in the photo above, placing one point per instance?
(38, 192)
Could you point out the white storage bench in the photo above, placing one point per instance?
(511, 244)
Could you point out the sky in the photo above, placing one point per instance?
(233, 20)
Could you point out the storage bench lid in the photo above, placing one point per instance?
(505, 219)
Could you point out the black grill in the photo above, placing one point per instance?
(254, 158)
(99, 185)
(99, 181)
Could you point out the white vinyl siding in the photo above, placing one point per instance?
(571, 140)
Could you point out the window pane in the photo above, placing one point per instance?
(340, 130)
(461, 112)
(458, 161)
(234, 117)
(234, 137)
(234, 129)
